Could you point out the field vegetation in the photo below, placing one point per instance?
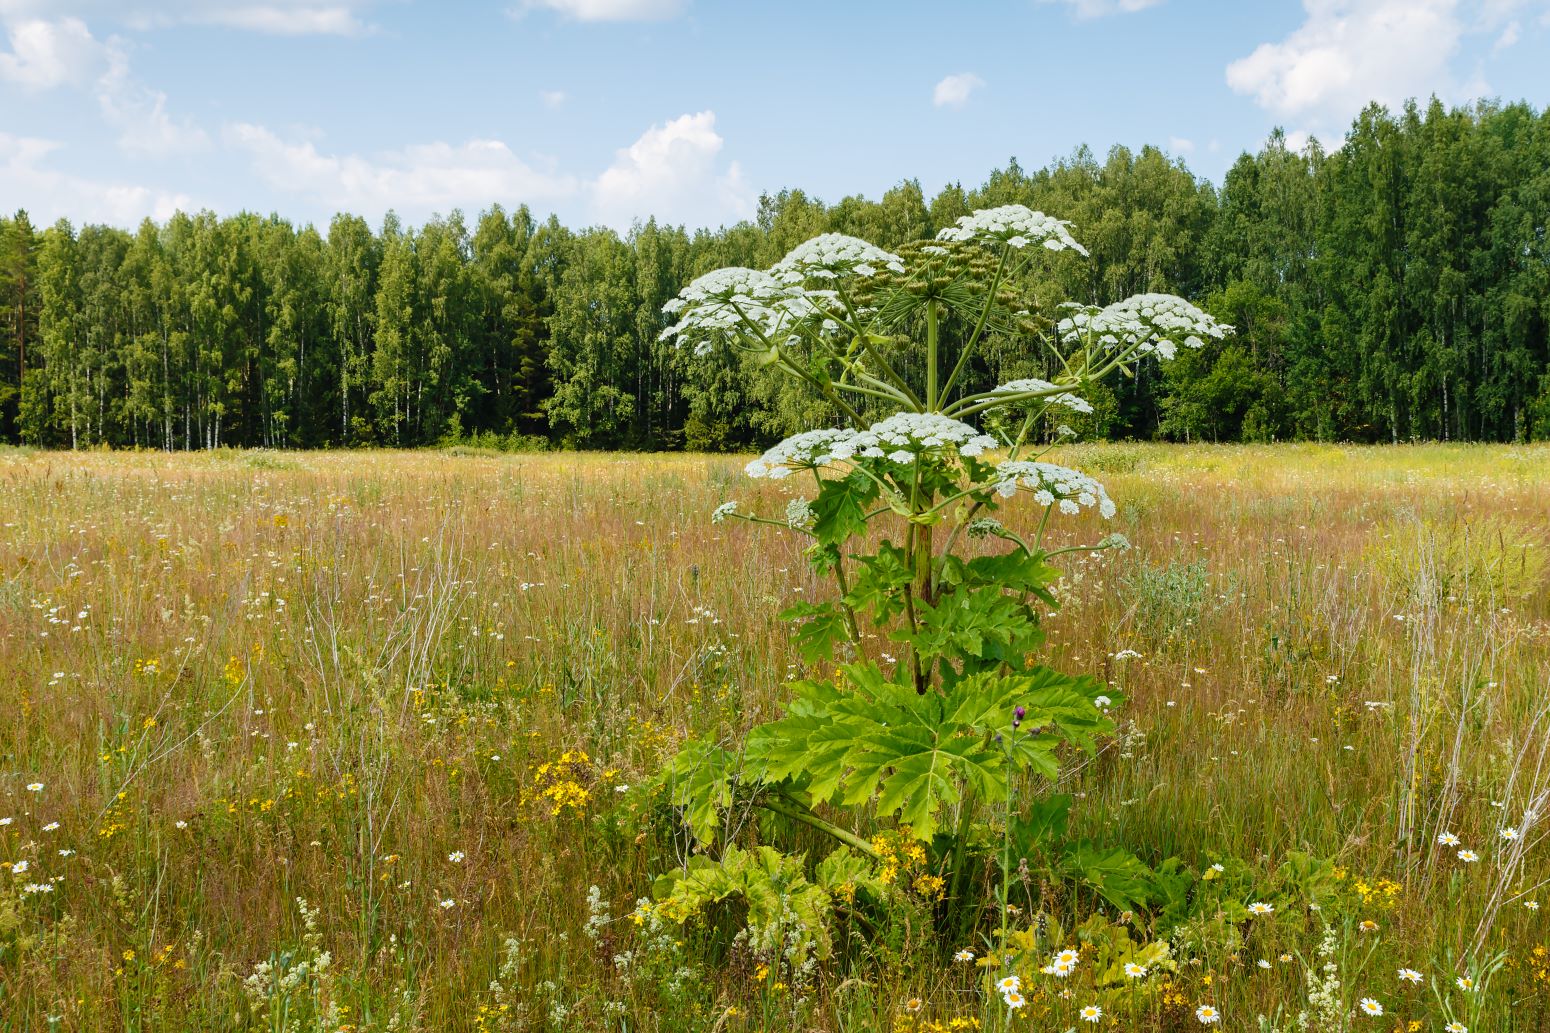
(375, 741)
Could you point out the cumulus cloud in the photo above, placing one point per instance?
(140, 115)
(1180, 145)
(1103, 8)
(63, 54)
(1509, 37)
(672, 172)
(49, 194)
(419, 179)
(45, 55)
(552, 98)
(606, 10)
(283, 19)
(1349, 52)
(275, 17)
(953, 91)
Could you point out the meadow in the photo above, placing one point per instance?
(366, 741)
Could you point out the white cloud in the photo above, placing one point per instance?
(606, 10)
(48, 194)
(416, 180)
(552, 98)
(283, 19)
(1508, 37)
(953, 91)
(276, 17)
(1349, 52)
(140, 114)
(49, 54)
(1104, 8)
(1298, 140)
(671, 172)
(1180, 145)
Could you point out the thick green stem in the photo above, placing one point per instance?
(851, 624)
(952, 538)
(911, 552)
(932, 401)
(796, 812)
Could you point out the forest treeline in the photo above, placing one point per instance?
(1395, 288)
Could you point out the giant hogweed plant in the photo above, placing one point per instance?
(913, 744)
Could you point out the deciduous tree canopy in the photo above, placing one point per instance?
(1395, 288)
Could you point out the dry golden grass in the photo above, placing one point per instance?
(243, 679)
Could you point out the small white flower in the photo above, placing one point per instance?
(1409, 975)
(1259, 907)
(52, 826)
(1509, 834)
(456, 857)
(1091, 1013)
(964, 955)
(1468, 856)
(448, 904)
(1371, 1007)
(1464, 983)
(1448, 839)
(1532, 905)
(1009, 984)
(35, 787)
(1012, 999)
(1135, 971)
(1207, 1015)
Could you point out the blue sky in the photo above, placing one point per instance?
(604, 111)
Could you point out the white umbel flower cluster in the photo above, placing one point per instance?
(829, 256)
(1017, 225)
(913, 432)
(1147, 322)
(1054, 485)
(1050, 394)
(724, 301)
(898, 439)
(807, 450)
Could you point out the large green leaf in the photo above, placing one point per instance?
(980, 627)
(879, 581)
(780, 899)
(699, 781)
(839, 511)
(1115, 874)
(872, 739)
(821, 626)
